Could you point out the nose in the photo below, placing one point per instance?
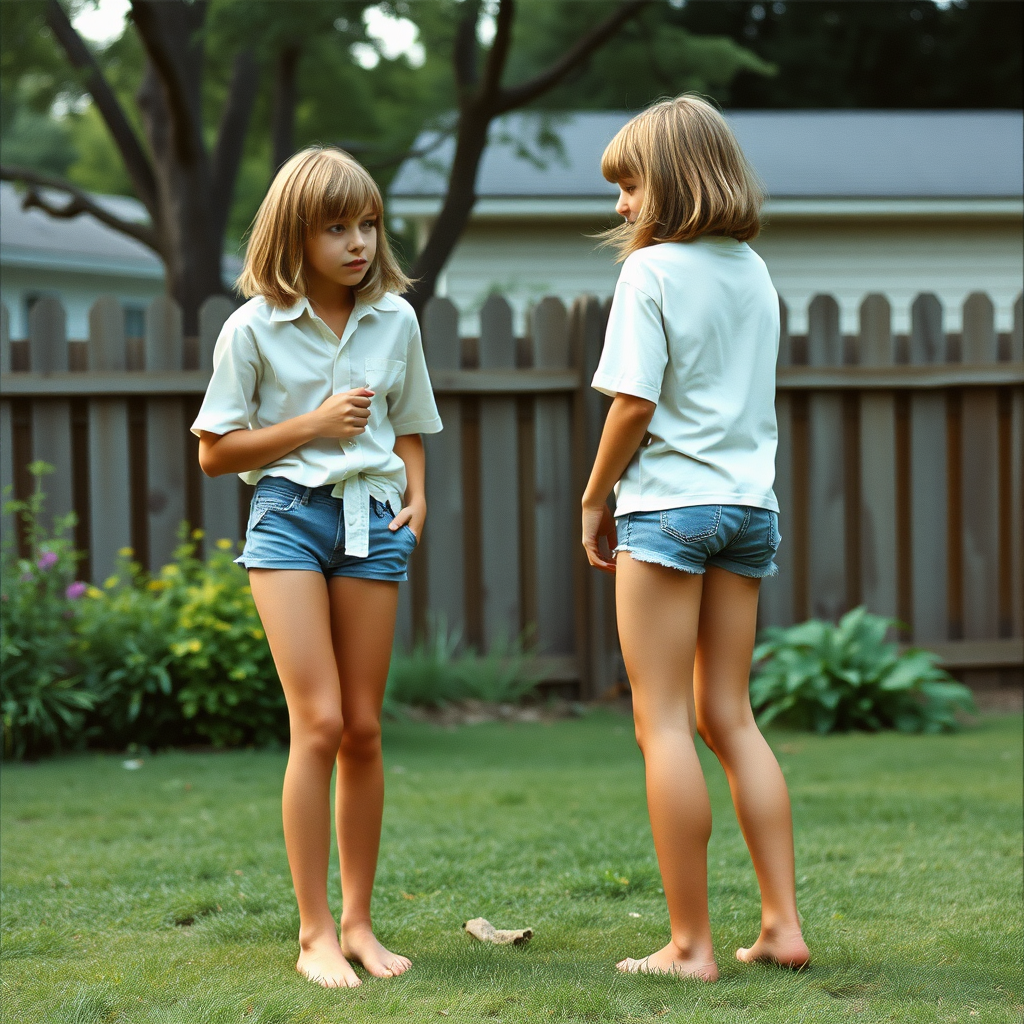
(622, 206)
(358, 243)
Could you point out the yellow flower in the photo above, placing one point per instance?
(256, 633)
(198, 534)
(195, 646)
(94, 592)
(156, 585)
(125, 552)
(224, 544)
(111, 582)
(169, 570)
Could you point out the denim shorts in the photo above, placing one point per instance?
(296, 527)
(740, 538)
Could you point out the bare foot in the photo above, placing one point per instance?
(321, 961)
(672, 960)
(784, 949)
(360, 944)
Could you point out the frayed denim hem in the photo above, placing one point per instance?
(742, 570)
(653, 558)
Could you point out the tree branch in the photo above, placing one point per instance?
(167, 29)
(498, 54)
(136, 161)
(79, 202)
(518, 96)
(464, 52)
(234, 124)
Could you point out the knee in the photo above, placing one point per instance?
(667, 725)
(717, 729)
(319, 734)
(360, 740)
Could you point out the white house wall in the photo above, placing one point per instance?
(845, 258)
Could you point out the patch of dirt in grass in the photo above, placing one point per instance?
(478, 712)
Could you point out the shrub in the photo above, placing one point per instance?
(42, 695)
(833, 678)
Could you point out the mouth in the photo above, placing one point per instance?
(355, 264)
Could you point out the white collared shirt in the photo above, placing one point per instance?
(271, 365)
(694, 328)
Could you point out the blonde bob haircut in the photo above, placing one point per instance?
(317, 187)
(696, 179)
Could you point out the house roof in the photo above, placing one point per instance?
(836, 154)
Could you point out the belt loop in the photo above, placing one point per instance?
(305, 495)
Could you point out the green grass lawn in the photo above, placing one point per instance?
(162, 894)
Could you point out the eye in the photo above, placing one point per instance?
(336, 228)
(370, 224)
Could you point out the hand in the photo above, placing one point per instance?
(413, 515)
(598, 522)
(344, 414)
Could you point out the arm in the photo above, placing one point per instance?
(624, 429)
(238, 451)
(409, 448)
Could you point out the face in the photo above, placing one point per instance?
(343, 251)
(631, 198)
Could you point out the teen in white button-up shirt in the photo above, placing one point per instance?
(270, 365)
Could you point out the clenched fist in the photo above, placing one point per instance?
(344, 414)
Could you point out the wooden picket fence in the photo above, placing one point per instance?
(900, 469)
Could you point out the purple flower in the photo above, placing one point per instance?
(47, 560)
(75, 590)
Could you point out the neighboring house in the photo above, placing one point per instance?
(896, 202)
(76, 260)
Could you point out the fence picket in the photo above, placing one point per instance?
(109, 463)
(877, 464)
(776, 601)
(220, 495)
(51, 417)
(166, 432)
(6, 425)
(553, 486)
(928, 479)
(980, 476)
(1016, 479)
(827, 536)
(499, 484)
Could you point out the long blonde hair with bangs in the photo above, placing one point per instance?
(696, 179)
(318, 186)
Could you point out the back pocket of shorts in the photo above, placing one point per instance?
(693, 522)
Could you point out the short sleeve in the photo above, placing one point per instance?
(413, 409)
(635, 350)
(230, 402)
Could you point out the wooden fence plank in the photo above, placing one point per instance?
(1016, 483)
(109, 464)
(219, 494)
(878, 559)
(775, 607)
(980, 477)
(827, 524)
(553, 483)
(51, 418)
(6, 426)
(499, 485)
(928, 479)
(165, 434)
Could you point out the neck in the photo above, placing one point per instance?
(328, 295)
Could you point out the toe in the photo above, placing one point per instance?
(743, 955)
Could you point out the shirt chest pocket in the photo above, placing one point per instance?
(383, 376)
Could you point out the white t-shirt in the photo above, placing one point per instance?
(694, 327)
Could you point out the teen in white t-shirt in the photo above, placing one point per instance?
(689, 445)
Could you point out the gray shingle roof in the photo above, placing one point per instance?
(799, 154)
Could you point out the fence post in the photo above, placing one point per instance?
(827, 525)
(775, 607)
(980, 478)
(445, 555)
(165, 434)
(1014, 499)
(929, 497)
(51, 417)
(219, 494)
(499, 483)
(6, 425)
(553, 484)
(877, 465)
(109, 463)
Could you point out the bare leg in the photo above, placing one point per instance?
(658, 611)
(728, 621)
(363, 623)
(295, 612)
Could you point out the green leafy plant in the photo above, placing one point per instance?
(833, 678)
(42, 695)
